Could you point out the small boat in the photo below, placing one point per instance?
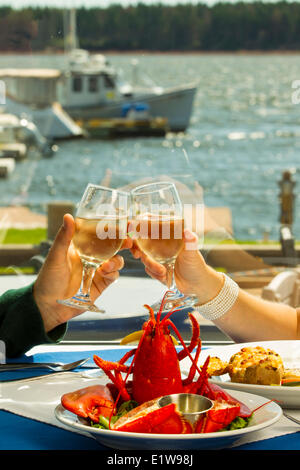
(19, 135)
(7, 166)
(10, 146)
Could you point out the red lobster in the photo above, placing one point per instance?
(155, 369)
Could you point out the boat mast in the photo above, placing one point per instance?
(70, 30)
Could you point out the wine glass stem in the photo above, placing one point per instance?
(88, 271)
(170, 276)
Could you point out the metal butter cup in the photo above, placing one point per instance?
(189, 405)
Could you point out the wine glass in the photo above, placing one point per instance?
(158, 227)
(100, 229)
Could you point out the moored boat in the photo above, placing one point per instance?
(18, 136)
(91, 89)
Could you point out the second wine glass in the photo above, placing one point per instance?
(158, 231)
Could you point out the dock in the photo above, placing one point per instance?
(124, 127)
(7, 166)
(16, 150)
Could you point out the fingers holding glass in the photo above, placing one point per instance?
(100, 231)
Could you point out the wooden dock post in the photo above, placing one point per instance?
(56, 212)
(287, 202)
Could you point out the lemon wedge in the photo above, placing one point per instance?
(136, 336)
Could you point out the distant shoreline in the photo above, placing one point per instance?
(142, 52)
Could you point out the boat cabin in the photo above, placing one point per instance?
(86, 89)
(88, 81)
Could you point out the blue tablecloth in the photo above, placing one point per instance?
(19, 433)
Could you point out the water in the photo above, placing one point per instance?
(244, 133)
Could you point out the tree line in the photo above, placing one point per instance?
(157, 27)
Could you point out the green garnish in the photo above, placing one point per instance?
(295, 383)
(237, 423)
(122, 410)
(126, 407)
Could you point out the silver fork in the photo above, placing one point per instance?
(94, 373)
(56, 367)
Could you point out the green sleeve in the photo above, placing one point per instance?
(21, 324)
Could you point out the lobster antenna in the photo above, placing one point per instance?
(151, 313)
(185, 348)
(170, 313)
(162, 304)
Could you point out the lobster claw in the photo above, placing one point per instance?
(151, 418)
(214, 392)
(220, 416)
(89, 402)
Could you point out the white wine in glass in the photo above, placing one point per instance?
(161, 238)
(159, 230)
(100, 229)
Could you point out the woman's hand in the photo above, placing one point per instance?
(60, 277)
(192, 274)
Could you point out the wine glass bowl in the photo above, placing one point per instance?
(165, 241)
(89, 239)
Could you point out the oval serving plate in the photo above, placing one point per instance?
(264, 417)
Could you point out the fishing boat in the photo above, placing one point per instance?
(91, 89)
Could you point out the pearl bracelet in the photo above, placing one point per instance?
(218, 306)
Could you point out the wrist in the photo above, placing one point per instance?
(222, 302)
(48, 309)
(209, 285)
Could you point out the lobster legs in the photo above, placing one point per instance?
(113, 371)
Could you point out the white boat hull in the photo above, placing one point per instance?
(52, 121)
(176, 105)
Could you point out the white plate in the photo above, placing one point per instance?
(265, 416)
(286, 397)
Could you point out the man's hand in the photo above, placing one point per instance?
(60, 277)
